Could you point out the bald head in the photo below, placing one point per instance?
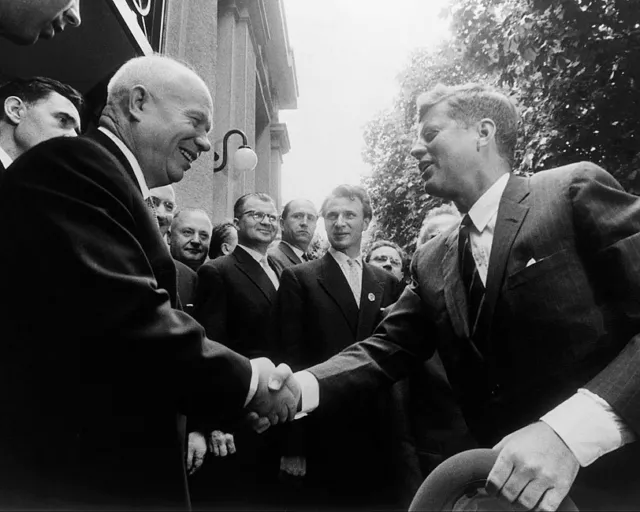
(162, 110)
(190, 237)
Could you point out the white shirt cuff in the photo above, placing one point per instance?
(253, 385)
(588, 426)
(310, 392)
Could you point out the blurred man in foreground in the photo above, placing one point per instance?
(25, 21)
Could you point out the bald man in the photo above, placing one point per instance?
(26, 21)
(95, 385)
(164, 202)
(190, 236)
(298, 224)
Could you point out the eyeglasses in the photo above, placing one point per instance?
(168, 205)
(259, 216)
(383, 258)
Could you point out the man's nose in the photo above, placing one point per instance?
(203, 144)
(72, 15)
(418, 150)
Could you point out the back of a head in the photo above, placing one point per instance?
(220, 234)
(351, 192)
(436, 221)
(470, 103)
(37, 88)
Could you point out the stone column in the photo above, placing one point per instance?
(191, 35)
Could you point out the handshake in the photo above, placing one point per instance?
(277, 397)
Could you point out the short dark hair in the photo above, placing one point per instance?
(34, 89)
(469, 103)
(385, 243)
(352, 192)
(219, 236)
(239, 205)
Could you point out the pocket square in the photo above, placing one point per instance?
(531, 262)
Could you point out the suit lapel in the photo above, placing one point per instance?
(111, 146)
(370, 301)
(252, 269)
(335, 284)
(288, 252)
(454, 295)
(511, 214)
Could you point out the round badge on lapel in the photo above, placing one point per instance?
(371, 297)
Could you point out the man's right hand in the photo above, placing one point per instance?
(277, 398)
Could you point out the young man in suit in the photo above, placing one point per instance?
(324, 306)
(96, 383)
(26, 21)
(298, 224)
(34, 110)
(532, 304)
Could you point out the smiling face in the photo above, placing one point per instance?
(257, 234)
(25, 21)
(52, 116)
(190, 237)
(174, 118)
(344, 222)
(447, 153)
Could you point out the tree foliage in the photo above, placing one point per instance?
(570, 65)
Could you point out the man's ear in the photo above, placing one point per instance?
(224, 248)
(14, 109)
(236, 223)
(139, 98)
(366, 224)
(486, 132)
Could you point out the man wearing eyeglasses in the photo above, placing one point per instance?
(234, 301)
(164, 202)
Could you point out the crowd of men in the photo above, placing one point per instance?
(516, 326)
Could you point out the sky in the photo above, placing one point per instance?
(348, 55)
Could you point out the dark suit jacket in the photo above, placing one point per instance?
(187, 284)
(234, 302)
(283, 257)
(96, 364)
(553, 325)
(317, 317)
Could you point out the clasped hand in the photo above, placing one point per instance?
(277, 397)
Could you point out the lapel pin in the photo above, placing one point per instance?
(371, 297)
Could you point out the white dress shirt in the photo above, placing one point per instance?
(352, 270)
(296, 250)
(585, 422)
(142, 182)
(264, 263)
(5, 158)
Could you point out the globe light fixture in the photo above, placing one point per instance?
(244, 159)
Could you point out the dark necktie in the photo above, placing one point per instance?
(469, 271)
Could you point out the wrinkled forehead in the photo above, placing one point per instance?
(165, 193)
(259, 205)
(343, 204)
(387, 251)
(195, 220)
(302, 206)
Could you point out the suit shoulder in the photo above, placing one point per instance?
(183, 269)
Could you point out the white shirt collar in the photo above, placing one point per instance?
(298, 252)
(487, 206)
(5, 159)
(133, 162)
(341, 258)
(256, 255)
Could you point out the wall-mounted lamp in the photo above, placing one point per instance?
(244, 158)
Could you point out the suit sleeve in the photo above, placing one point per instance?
(83, 208)
(211, 308)
(607, 221)
(405, 337)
